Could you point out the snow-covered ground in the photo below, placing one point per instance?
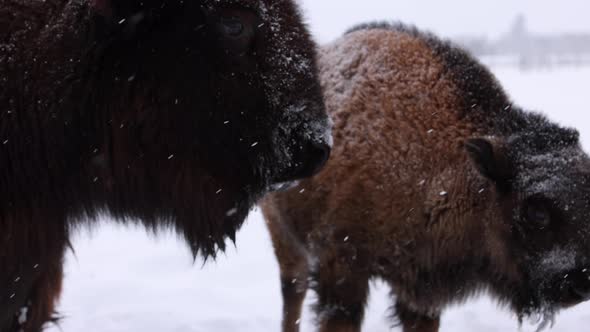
(122, 279)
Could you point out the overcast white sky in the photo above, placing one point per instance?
(329, 18)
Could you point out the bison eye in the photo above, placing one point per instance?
(232, 26)
(236, 29)
(537, 213)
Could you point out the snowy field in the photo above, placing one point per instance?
(122, 279)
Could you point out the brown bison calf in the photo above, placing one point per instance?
(177, 113)
(438, 185)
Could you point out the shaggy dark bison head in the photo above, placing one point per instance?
(543, 182)
(209, 104)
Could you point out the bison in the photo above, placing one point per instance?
(438, 184)
(171, 113)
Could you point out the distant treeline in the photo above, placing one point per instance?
(521, 48)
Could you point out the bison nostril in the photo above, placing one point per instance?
(311, 159)
(318, 155)
(577, 287)
(582, 291)
(307, 161)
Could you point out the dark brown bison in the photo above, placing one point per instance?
(173, 113)
(438, 185)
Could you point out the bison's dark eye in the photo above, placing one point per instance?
(232, 26)
(540, 217)
(537, 213)
(235, 30)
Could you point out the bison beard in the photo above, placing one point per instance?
(169, 113)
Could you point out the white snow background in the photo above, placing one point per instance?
(122, 279)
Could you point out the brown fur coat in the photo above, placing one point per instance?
(429, 187)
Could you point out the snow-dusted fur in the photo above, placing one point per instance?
(172, 113)
(438, 184)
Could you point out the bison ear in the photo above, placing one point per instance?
(489, 157)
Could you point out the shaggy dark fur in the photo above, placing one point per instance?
(437, 184)
(173, 113)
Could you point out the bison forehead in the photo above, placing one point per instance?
(291, 69)
(553, 173)
(282, 20)
(289, 54)
(284, 54)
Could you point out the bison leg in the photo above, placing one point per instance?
(293, 287)
(41, 288)
(342, 294)
(294, 274)
(44, 297)
(416, 322)
(30, 277)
